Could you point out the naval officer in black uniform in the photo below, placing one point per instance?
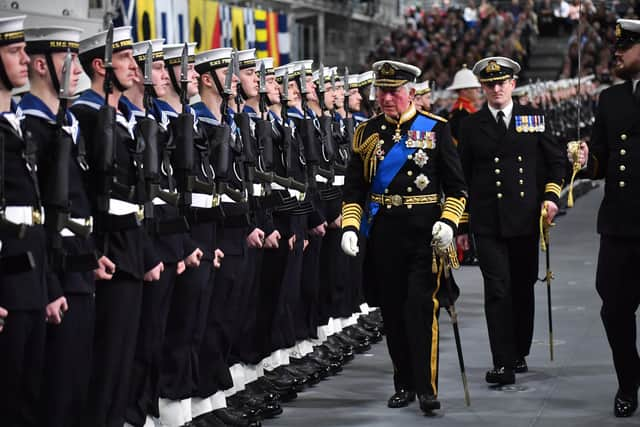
(403, 160)
(614, 154)
(514, 167)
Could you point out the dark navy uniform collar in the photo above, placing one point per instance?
(205, 114)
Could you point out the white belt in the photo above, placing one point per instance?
(295, 193)
(27, 215)
(157, 201)
(120, 207)
(226, 199)
(256, 190)
(201, 200)
(338, 180)
(65, 232)
(320, 178)
(275, 186)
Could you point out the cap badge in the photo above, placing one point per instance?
(387, 69)
(492, 67)
(618, 30)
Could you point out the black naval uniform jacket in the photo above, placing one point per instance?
(126, 247)
(26, 290)
(427, 172)
(41, 121)
(509, 175)
(614, 154)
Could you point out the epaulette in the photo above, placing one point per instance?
(434, 116)
(357, 136)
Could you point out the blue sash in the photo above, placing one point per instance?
(389, 168)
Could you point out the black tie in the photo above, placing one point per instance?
(501, 124)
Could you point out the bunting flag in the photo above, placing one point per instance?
(237, 28)
(283, 38)
(145, 20)
(249, 29)
(211, 24)
(262, 49)
(198, 24)
(181, 18)
(164, 22)
(212, 20)
(225, 25)
(272, 38)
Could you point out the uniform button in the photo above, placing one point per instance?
(497, 171)
(623, 152)
(521, 181)
(383, 127)
(522, 194)
(499, 195)
(623, 168)
(386, 191)
(519, 158)
(409, 206)
(410, 173)
(496, 159)
(498, 183)
(409, 189)
(410, 157)
(623, 137)
(521, 170)
(621, 184)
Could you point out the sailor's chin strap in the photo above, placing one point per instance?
(4, 77)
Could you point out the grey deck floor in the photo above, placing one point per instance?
(576, 389)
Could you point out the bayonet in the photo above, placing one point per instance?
(65, 90)
(347, 89)
(148, 62)
(108, 64)
(285, 88)
(236, 72)
(321, 78)
(263, 89)
(184, 78)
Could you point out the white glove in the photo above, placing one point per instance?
(350, 243)
(442, 235)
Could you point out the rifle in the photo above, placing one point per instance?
(105, 153)
(326, 131)
(56, 187)
(348, 120)
(308, 133)
(248, 145)
(183, 135)
(287, 138)
(222, 155)
(149, 129)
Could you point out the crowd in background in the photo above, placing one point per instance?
(441, 39)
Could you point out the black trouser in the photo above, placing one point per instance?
(510, 270)
(179, 362)
(22, 344)
(213, 372)
(145, 376)
(284, 324)
(68, 364)
(233, 282)
(334, 276)
(306, 312)
(118, 303)
(407, 289)
(619, 287)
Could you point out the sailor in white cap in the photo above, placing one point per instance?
(522, 192)
(23, 293)
(118, 224)
(613, 153)
(395, 204)
(71, 283)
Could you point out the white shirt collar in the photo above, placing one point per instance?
(506, 110)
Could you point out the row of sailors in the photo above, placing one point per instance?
(186, 257)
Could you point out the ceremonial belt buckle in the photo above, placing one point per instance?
(36, 217)
(396, 200)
